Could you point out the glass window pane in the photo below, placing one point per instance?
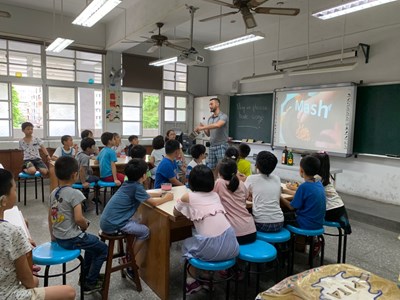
(25, 47)
(3, 57)
(181, 68)
(181, 86)
(4, 111)
(169, 115)
(60, 63)
(180, 102)
(4, 128)
(27, 105)
(25, 71)
(181, 115)
(3, 91)
(88, 55)
(168, 85)
(90, 110)
(61, 95)
(169, 75)
(24, 59)
(181, 77)
(64, 53)
(3, 69)
(88, 77)
(2, 44)
(169, 101)
(150, 111)
(170, 67)
(131, 99)
(92, 66)
(129, 128)
(61, 112)
(131, 113)
(60, 128)
(60, 74)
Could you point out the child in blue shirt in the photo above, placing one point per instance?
(107, 159)
(167, 170)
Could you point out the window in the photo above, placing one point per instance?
(140, 114)
(175, 77)
(90, 110)
(61, 111)
(4, 111)
(175, 109)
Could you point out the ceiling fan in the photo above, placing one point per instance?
(247, 7)
(159, 40)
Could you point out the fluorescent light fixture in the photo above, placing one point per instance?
(316, 59)
(243, 39)
(59, 45)
(162, 62)
(96, 10)
(324, 69)
(262, 77)
(347, 8)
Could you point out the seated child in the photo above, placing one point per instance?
(232, 153)
(133, 140)
(198, 153)
(118, 213)
(16, 278)
(309, 201)
(107, 159)
(233, 194)
(68, 225)
(167, 170)
(244, 166)
(215, 239)
(31, 145)
(335, 210)
(180, 160)
(265, 192)
(138, 151)
(85, 173)
(67, 149)
(88, 133)
(118, 146)
(158, 153)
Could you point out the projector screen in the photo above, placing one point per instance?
(315, 118)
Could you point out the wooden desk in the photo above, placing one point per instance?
(120, 164)
(154, 259)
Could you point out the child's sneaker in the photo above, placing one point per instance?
(130, 274)
(317, 248)
(193, 287)
(90, 289)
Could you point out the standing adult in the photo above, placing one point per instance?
(217, 130)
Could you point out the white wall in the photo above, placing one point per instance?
(375, 178)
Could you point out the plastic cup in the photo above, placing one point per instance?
(166, 186)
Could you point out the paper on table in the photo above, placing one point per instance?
(14, 216)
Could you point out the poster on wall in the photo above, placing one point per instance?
(113, 101)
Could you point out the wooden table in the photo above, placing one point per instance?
(154, 259)
(120, 164)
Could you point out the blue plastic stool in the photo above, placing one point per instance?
(258, 252)
(50, 254)
(342, 240)
(319, 233)
(279, 239)
(105, 185)
(92, 185)
(212, 267)
(27, 177)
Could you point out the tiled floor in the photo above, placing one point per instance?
(369, 247)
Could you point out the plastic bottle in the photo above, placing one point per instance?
(290, 158)
(284, 156)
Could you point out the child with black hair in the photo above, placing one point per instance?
(31, 145)
(117, 215)
(68, 226)
(86, 176)
(233, 194)
(158, 152)
(139, 151)
(68, 148)
(265, 192)
(335, 210)
(232, 153)
(167, 170)
(107, 159)
(118, 147)
(244, 166)
(215, 239)
(133, 140)
(16, 279)
(198, 153)
(88, 133)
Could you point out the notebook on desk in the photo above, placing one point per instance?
(14, 216)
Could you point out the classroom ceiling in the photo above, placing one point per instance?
(137, 18)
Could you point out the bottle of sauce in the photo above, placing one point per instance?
(284, 156)
(290, 158)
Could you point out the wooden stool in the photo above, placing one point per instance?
(119, 238)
